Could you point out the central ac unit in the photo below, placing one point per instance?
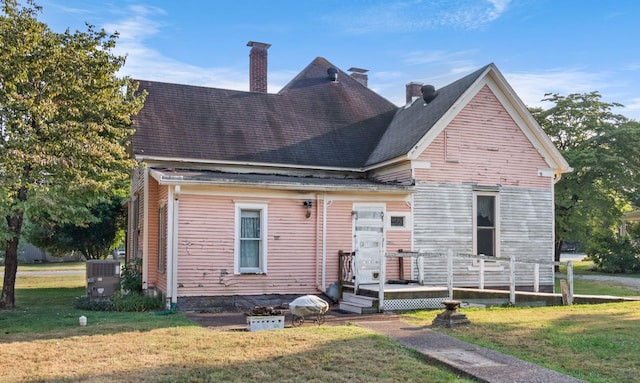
(103, 278)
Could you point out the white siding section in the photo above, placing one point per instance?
(443, 221)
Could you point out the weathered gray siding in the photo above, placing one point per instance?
(443, 222)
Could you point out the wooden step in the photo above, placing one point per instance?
(360, 300)
(357, 308)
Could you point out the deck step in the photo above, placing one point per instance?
(357, 308)
(359, 299)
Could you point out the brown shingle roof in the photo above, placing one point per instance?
(312, 121)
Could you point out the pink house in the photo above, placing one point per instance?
(246, 198)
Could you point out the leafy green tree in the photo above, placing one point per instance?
(92, 238)
(65, 120)
(603, 148)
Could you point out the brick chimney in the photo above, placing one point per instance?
(360, 75)
(414, 89)
(258, 66)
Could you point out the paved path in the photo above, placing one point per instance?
(474, 361)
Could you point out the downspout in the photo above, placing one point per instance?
(174, 248)
(145, 230)
(324, 242)
(169, 250)
(553, 230)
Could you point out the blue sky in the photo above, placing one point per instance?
(540, 46)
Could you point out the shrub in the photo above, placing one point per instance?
(131, 277)
(132, 302)
(614, 254)
(93, 304)
(135, 302)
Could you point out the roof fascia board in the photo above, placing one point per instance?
(386, 163)
(276, 185)
(444, 121)
(164, 161)
(527, 123)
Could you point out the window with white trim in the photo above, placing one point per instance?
(251, 239)
(486, 232)
(398, 221)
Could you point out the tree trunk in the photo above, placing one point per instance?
(8, 299)
(14, 223)
(557, 252)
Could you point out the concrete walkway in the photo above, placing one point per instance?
(473, 361)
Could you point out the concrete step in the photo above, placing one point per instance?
(357, 308)
(359, 299)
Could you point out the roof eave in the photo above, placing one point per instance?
(160, 160)
(298, 186)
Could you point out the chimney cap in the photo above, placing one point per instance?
(358, 70)
(333, 73)
(428, 93)
(258, 45)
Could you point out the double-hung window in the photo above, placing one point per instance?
(486, 224)
(251, 243)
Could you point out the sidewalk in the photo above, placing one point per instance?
(474, 361)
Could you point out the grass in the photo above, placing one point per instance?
(596, 343)
(587, 268)
(52, 266)
(42, 341)
(591, 287)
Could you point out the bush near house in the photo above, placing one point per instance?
(613, 253)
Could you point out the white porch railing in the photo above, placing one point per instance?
(481, 271)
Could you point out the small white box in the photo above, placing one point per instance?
(265, 322)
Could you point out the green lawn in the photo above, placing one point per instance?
(50, 266)
(42, 341)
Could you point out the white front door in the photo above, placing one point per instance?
(368, 233)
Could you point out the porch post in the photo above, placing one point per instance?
(382, 278)
(145, 229)
(481, 276)
(172, 248)
(570, 277)
(536, 277)
(450, 272)
(512, 280)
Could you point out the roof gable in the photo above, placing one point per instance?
(416, 126)
(410, 124)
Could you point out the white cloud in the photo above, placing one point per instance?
(147, 63)
(531, 87)
(418, 15)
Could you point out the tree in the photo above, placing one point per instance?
(604, 150)
(65, 120)
(92, 238)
